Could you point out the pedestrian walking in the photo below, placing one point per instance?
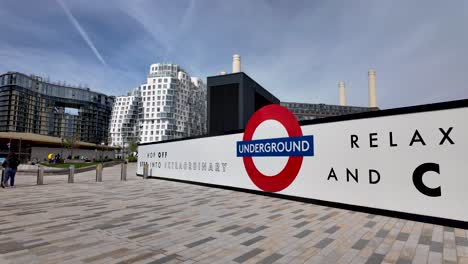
(11, 165)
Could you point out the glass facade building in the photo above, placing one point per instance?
(29, 104)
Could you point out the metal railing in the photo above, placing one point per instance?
(71, 173)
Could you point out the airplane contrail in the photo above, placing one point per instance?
(83, 33)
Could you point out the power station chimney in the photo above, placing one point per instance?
(372, 89)
(236, 64)
(342, 92)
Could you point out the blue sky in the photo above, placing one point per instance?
(298, 50)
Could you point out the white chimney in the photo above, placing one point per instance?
(342, 93)
(372, 89)
(236, 64)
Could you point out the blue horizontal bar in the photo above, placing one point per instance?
(276, 147)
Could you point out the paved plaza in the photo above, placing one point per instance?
(155, 221)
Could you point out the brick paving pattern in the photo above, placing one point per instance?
(154, 221)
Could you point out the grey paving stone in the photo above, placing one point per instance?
(325, 217)
(250, 215)
(437, 247)
(274, 216)
(382, 233)
(178, 223)
(257, 229)
(332, 229)
(226, 215)
(360, 244)
(253, 240)
(402, 236)
(303, 233)
(370, 224)
(10, 247)
(425, 240)
(276, 210)
(242, 231)
(143, 234)
(448, 229)
(461, 241)
(228, 228)
(164, 259)
(246, 256)
(301, 224)
(199, 242)
(300, 217)
(159, 218)
(270, 259)
(142, 227)
(323, 243)
(204, 223)
(404, 261)
(105, 255)
(375, 258)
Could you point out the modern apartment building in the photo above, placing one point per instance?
(171, 105)
(29, 104)
(123, 127)
(36, 115)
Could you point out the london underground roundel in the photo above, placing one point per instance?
(295, 146)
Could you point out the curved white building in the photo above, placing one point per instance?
(171, 105)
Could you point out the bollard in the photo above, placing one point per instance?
(123, 172)
(40, 175)
(145, 171)
(71, 174)
(99, 173)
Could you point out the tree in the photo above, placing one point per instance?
(70, 143)
(118, 148)
(133, 146)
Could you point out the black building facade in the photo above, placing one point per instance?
(29, 104)
(232, 99)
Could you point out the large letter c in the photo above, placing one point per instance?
(418, 182)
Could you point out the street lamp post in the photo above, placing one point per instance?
(102, 150)
(19, 151)
(61, 150)
(125, 145)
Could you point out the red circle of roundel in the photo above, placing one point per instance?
(286, 176)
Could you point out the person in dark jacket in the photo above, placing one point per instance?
(11, 165)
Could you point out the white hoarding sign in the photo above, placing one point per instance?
(412, 162)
